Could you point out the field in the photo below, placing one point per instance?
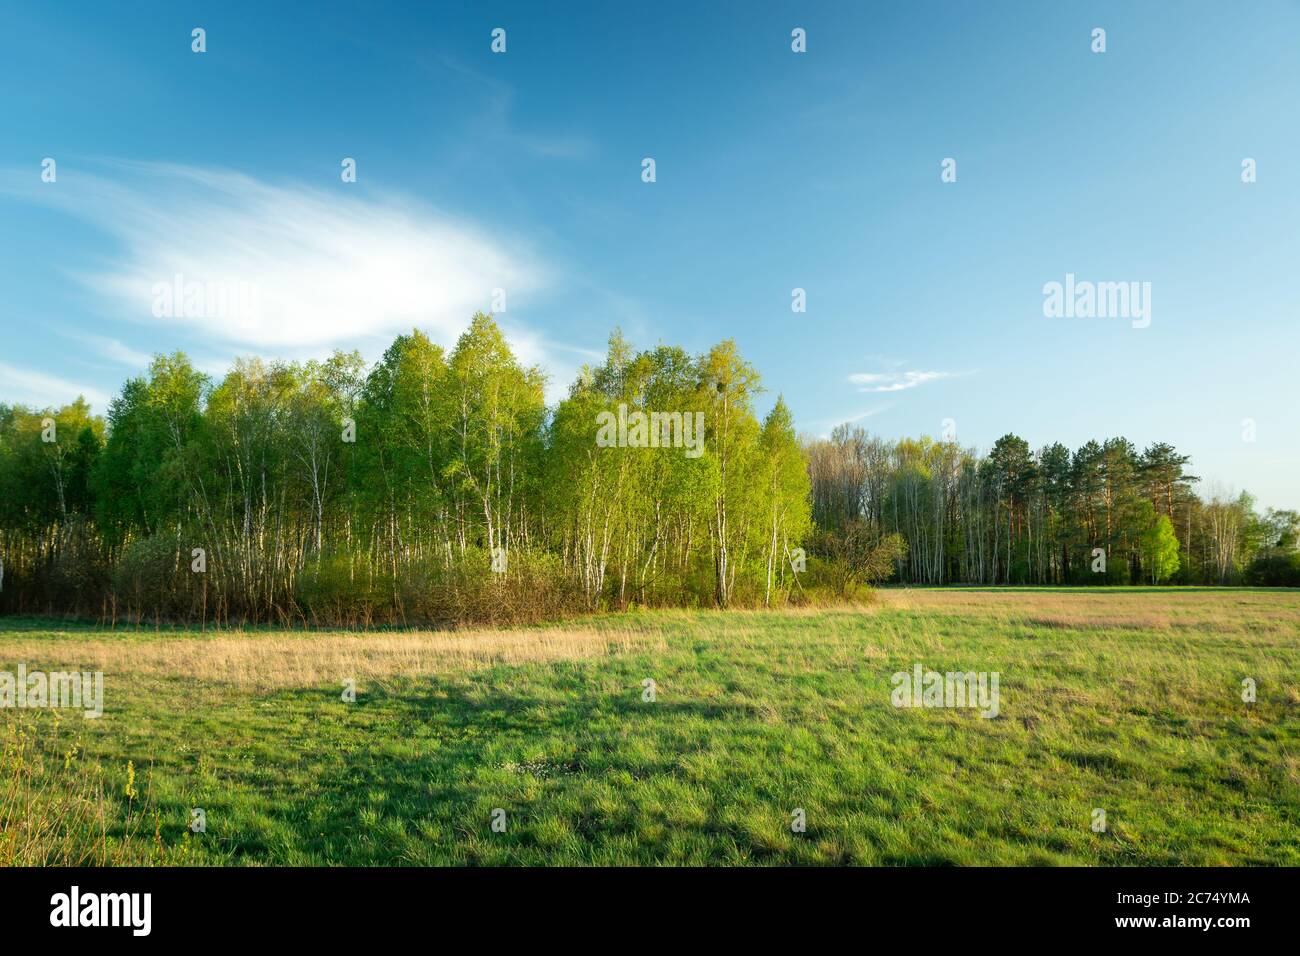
(1125, 700)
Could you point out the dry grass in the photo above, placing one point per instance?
(1226, 610)
(267, 661)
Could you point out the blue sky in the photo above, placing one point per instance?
(775, 170)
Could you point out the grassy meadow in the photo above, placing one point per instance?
(1127, 700)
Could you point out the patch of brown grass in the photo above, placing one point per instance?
(1224, 611)
(263, 661)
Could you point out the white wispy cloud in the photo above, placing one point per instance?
(327, 266)
(20, 386)
(896, 381)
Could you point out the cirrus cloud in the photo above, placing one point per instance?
(896, 381)
(326, 267)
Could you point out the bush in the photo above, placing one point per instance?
(1275, 570)
(147, 580)
(433, 591)
(337, 589)
(858, 558)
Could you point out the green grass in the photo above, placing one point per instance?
(1123, 700)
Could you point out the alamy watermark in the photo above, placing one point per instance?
(75, 908)
(1098, 300)
(189, 299)
(651, 430)
(923, 688)
(37, 690)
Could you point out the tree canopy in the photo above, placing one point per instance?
(439, 485)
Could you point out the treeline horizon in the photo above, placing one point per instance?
(438, 486)
(1104, 513)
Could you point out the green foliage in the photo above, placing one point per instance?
(1277, 563)
(856, 557)
(784, 490)
(151, 579)
(1160, 550)
(322, 492)
(1015, 516)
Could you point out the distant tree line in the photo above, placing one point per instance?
(438, 486)
(1101, 514)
